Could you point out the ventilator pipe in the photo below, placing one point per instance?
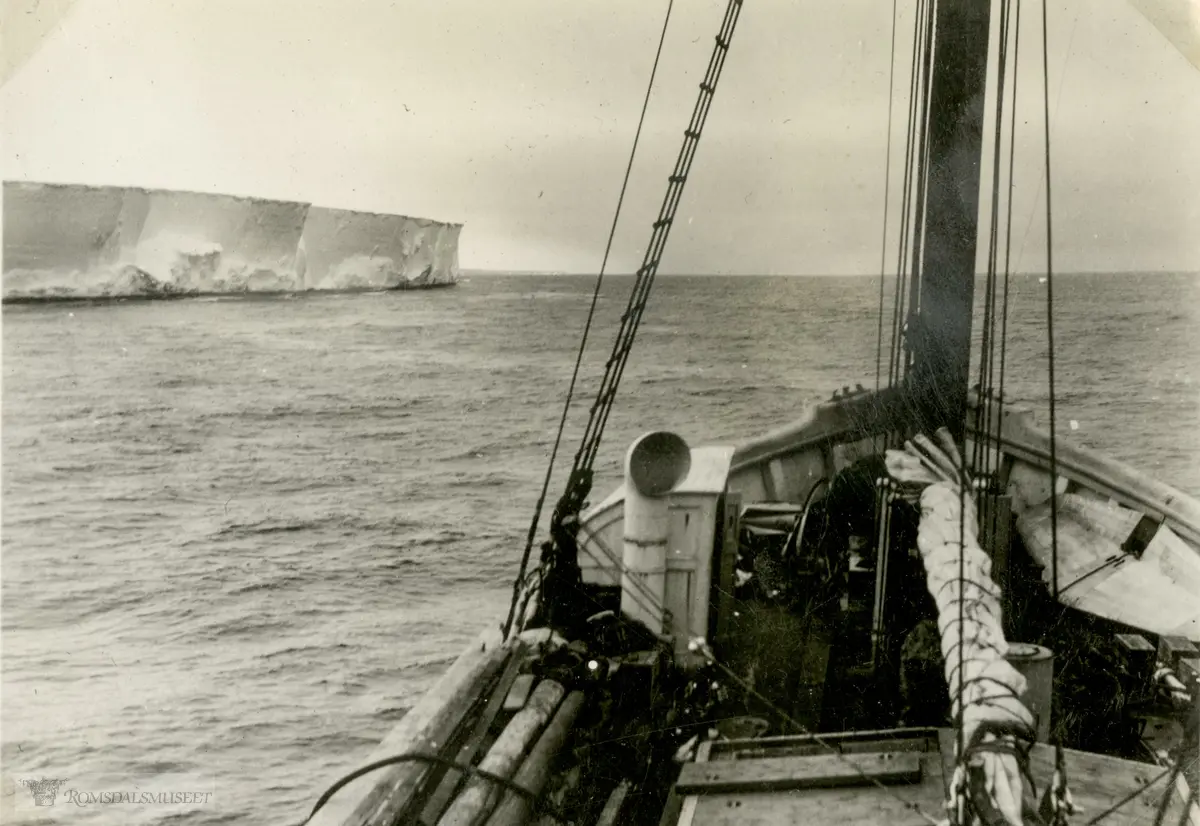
(654, 465)
(1036, 664)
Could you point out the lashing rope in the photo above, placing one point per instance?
(506, 783)
(700, 646)
(646, 599)
(994, 728)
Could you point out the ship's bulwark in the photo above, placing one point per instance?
(67, 241)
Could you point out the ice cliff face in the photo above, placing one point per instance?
(366, 250)
(64, 241)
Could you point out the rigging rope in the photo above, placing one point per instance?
(983, 410)
(1012, 145)
(887, 184)
(1050, 307)
(615, 367)
(1062, 80)
(1136, 793)
(982, 452)
(905, 203)
(916, 86)
(562, 422)
(1060, 799)
(921, 181)
(703, 648)
(579, 481)
(915, 186)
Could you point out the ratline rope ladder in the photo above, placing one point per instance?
(579, 481)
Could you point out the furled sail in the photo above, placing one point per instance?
(985, 689)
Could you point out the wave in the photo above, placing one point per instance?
(369, 272)
(183, 268)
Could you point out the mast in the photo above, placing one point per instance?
(939, 337)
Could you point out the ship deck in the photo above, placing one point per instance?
(783, 780)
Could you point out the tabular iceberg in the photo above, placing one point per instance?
(65, 241)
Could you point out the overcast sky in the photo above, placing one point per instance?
(516, 117)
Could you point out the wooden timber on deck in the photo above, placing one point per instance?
(818, 786)
(784, 780)
(798, 772)
(1098, 782)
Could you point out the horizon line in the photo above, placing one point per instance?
(472, 271)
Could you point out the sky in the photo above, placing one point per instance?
(517, 117)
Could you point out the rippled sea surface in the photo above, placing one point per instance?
(241, 537)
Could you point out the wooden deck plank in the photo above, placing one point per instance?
(749, 752)
(806, 772)
(611, 814)
(1096, 781)
(893, 806)
(880, 739)
(1183, 797)
(672, 809)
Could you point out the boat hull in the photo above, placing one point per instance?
(1107, 505)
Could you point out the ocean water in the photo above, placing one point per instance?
(241, 537)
